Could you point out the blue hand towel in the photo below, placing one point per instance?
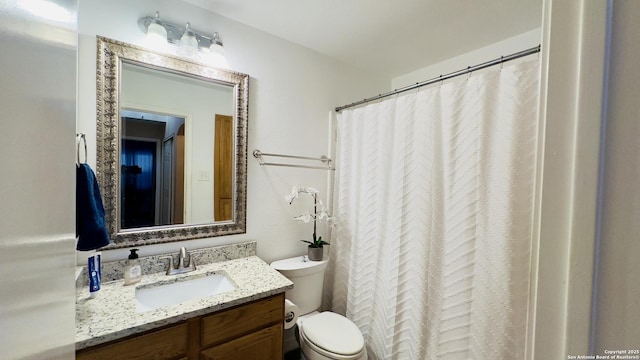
(90, 224)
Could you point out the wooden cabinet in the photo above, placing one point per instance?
(167, 343)
(251, 331)
(262, 344)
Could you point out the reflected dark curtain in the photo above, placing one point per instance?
(139, 183)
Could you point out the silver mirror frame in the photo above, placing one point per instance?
(110, 54)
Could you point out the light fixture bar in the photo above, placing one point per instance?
(175, 32)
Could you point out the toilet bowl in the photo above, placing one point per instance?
(325, 335)
(330, 336)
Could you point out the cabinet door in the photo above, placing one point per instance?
(169, 343)
(265, 344)
(233, 323)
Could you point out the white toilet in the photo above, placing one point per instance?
(322, 335)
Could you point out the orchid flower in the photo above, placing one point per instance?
(293, 195)
(311, 191)
(323, 214)
(306, 217)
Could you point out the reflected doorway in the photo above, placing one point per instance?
(152, 170)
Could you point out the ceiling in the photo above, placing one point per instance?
(390, 37)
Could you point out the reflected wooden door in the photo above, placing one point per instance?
(178, 188)
(223, 168)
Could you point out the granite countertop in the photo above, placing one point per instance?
(112, 313)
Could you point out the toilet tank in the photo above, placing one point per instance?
(308, 279)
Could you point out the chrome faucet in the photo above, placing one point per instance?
(182, 263)
(181, 256)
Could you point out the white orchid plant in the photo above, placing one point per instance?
(316, 242)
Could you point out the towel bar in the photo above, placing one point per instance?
(259, 154)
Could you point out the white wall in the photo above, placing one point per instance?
(37, 185)
(505, 47)
(292, 90)
(618, 299)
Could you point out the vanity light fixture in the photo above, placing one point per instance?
(190, 43)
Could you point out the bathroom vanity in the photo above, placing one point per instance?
(244, 322)
(254, 328)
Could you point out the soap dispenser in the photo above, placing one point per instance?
(132, 270)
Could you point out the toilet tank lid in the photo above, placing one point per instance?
(299, 265)
(334, 333)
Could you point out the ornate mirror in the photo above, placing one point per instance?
(172, 146)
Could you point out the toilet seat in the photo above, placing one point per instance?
(333, 336)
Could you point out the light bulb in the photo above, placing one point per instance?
(156, 33)
(188, 43)
(216, 51)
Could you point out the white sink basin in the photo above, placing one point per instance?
(154, 296)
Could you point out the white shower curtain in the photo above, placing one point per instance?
(433, 202)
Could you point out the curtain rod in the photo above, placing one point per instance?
(468, 69)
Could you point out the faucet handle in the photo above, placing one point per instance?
(183, 259)
(171, 267)
(192, 262)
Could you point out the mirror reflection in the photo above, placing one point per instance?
(176, 149)
(172, 146)
(152, 170)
